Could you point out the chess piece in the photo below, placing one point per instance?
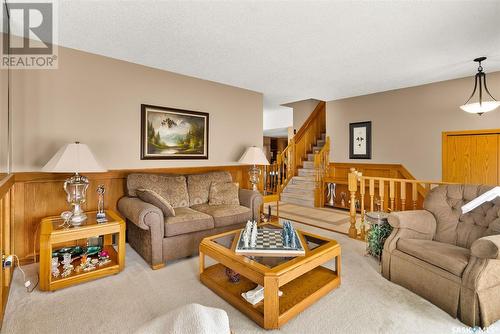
(246, 234)
(253, 236)
(293, 238)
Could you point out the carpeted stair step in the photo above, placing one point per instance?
(300, 186)
(320, 143)
(307, 172)
(310, 156)
(299, 180)
(308, 164)
(291, 198)
(323, 136)
(299, 191)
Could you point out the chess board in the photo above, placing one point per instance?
(269, 243)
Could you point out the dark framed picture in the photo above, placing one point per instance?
(169, 133)
(360, 140)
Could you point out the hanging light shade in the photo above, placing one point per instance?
(483, 104)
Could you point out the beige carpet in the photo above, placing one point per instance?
(364, 303)
(330, 219)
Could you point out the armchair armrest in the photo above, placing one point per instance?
(415, 224)
(144, 215)
(252, 200)
(486, 247)
(421, 221)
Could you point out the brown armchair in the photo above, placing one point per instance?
(449, 258)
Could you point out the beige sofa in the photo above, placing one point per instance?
(449, 258)
(158, 238)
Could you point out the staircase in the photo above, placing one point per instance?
(297, 175)
(301, 189)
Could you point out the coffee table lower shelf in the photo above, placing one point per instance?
(298, 294)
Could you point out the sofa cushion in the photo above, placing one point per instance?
(448, 257)
(224, 193)
(225, 215)
(172, 188)
(151, 197)
(187, 220)
(199, 185)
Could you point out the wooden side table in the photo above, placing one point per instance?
(53, 236)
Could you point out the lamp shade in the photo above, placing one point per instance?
(254, 156)
(73, 158)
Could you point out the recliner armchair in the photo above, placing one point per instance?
(449, 258)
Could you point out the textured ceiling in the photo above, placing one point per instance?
(292, 50)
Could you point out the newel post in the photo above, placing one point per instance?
(353, 188)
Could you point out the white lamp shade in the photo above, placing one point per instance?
(73, 158)
(480, 108)
(254, 156)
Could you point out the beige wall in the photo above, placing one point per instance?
(3, 120)
(302, 110)
(407, 123)
(96, 100)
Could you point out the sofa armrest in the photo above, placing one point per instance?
(421, 221)
(486, 247)
(142, 214)
(252, 200)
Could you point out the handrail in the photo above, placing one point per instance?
(314, 115)
(400, 192)
(321, 165)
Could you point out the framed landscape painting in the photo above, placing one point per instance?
(168, 133)
(360, 140)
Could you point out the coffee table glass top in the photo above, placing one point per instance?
(229, 240)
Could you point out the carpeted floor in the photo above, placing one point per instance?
(364, 303)
(327, 218)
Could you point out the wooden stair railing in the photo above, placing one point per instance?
(388, 194)
(277, 175)
(321, 165)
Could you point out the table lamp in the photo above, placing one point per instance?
(254, 156)
(74, 158)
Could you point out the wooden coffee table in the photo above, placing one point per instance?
(303, 280)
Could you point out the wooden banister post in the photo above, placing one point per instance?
(353, 187)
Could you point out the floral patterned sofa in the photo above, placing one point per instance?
(158, 237)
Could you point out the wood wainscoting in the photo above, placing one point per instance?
(38, 195)
(6, 242)
(338, 173)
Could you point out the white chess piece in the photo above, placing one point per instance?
(253, 236)
(246, 234)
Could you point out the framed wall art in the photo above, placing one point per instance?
(360, 140)
(169, 133)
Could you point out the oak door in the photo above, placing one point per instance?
(471, 157)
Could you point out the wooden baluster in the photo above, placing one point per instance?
(381, 194)
(403, 195)
(372, 193)
(353, 187)
(362, 190)
(392, 194)
(427, 188)
(414, 194)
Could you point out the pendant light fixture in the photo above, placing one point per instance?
(481, 106)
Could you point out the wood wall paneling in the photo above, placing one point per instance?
(38, 195)
(6, 241)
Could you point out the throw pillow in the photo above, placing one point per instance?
(223, 193)
(152, 197)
